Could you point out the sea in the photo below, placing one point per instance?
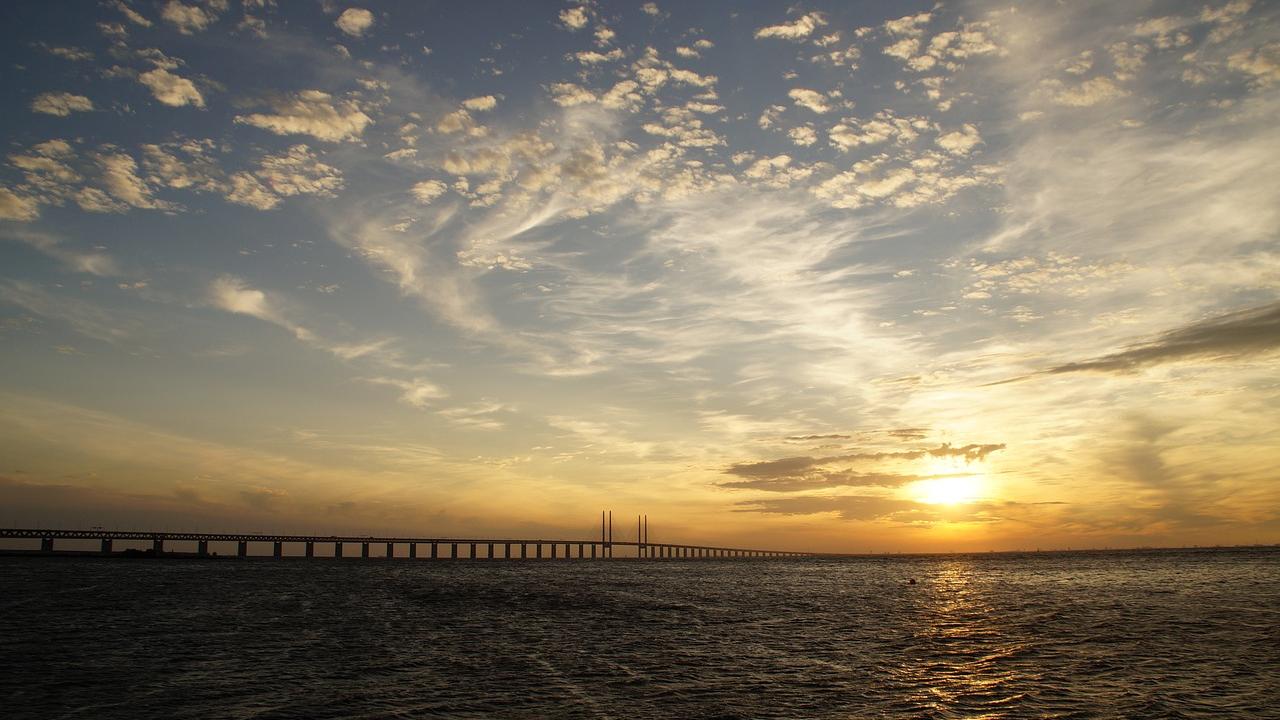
(1119, 634)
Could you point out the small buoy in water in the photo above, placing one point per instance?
(912, 581)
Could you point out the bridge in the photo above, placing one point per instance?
(435, 548)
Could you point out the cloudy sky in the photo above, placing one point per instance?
(874, 276)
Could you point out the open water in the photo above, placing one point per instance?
(1135, 634)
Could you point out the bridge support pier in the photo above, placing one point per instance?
(524, 551)
(553, 551)
(538, 550)
(490, 555)
(413, 551)
(434, 553)
(364, 550)
(157, 546)
(242, 549)
(453, 551)
(593, 551)
(277, 550)
(506, 550)
(46, 545)
(337, 550)
(391, 550)
(106, 546)
(473, 551)
(311, 549)
(202, 548)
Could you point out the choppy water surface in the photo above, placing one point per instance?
(1159, 634)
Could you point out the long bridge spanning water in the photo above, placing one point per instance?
(434, 548)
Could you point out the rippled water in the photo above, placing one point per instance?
(1144, 635)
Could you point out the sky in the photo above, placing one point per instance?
(852, 277)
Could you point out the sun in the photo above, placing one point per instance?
(950, 490)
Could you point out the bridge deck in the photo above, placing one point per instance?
(48, 535)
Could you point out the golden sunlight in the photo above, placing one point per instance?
(952, 490)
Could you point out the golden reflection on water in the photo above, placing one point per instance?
(961, 645)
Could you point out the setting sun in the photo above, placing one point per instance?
(952, 490)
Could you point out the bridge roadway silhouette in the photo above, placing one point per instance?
(601, 549)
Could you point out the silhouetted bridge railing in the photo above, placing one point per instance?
(438, 547)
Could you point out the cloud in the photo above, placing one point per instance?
(417, 392)
(187, 19)
(801, 28)
(93, 263)
(131, 14)
(825, 480)
(297, 171)
(570, 94)
(811, 99)
(120, 179)
(231, 294)
(574, 18)
(480, 104)
(61, 104)
(170, 89)
(910, 25)
(961, 141)
(1086, 94)
(263, 498)
(74, 54)
(314, 113)
(847, 507)
(797, 466)
(428, 190)
(17, 207)
(83, 316)
(1236, 334)
(354, 21)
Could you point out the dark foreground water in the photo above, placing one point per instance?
(1141, 635)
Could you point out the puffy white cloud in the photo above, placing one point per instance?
(120, 179)
(74, 54)
(131, 14)
(909, 25)
(811, 99)
(1088, 93)
(574, 18)
(17, 207)
(354, 21)
(803, 136)
(769, 117)
(247, 190)
(801, 28)
(570, 94)
(188, 19)
(480, 104)
(903, 49)
(195, 170)
(592, 57)
(296, 171)
(428, 190)
(650, 8)
(61, 104)
(314, 113)
(1261, 64)
(231, 294)
(961, 141)
(172, 90)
